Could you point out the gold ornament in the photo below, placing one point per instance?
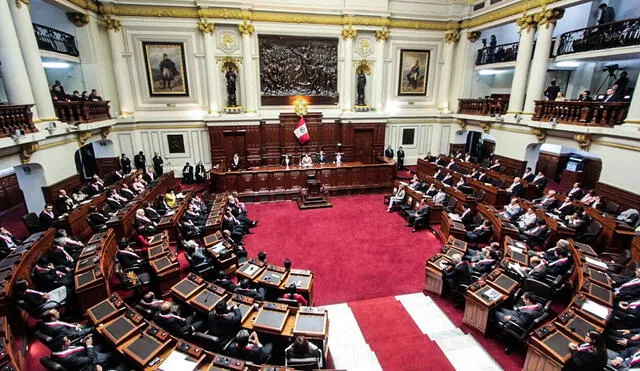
(584, 141)
(349, 33)
(486, 126)
(78, 19)
(83, 136)
(473, 36)
(301, 108)
(451, 37)
(229, 63)
(383, 34)
(206, 27)
(111, 23)
(526, 22)
(20, 2)
(540, 133)
(27, 150)
(548, 16)
(462, 123)
(246, 28)
(364, 66)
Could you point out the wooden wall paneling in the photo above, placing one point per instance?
(453, 147)
(245, 182)
(552, 164)
(50, 192)
(592, 170)
(512, 166)
(261, 182)
(277, 180)
(10, 193)
(270, 136)
(231, 182)
(253, 143)
(624, 198)
(331, 137)
(107, 165)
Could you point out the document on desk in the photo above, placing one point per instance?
(455, 217)
(217, 248)
(516, 268)
(520, 244)
(516, 249)
(596, 309)
(596, 262)
(177, 361)
(491, 295)
(170, 213)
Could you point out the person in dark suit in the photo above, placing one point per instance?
(248, 347)
(528, 175)
(488, 261)
(76, 357)
(468, 215)
(420, 216)
(150, 302)
(8, 242)
(576, 192)
(200, 173)
(610, 96)
(187, 174)
(400, 154)
(149, 176)
(540, 181)
(235, 163)
(144, 224)
(566, 208)
(174, 324)
(63, 204)
(608, 14)
(35, 301)
(537, 234)
(496, 165)
(125, 164)
(456, 273)
(224, 322)
(126, 192)
(117, 175)
(157, 164)
(47, 217)
(481, 233)
(523, 313)
(190, 230)
(439, 174)
(128, 258)
(589, 356)
(516, 188)
(629, 289)
(551, 92)
(245, 289)
(431, 191)
(482, 176)
(53, 327)
(47, 277)
(61, 259)
(150, 212)
(222, 281)
(448, 179)
(388, 152)
(139, 161)
(115, 201)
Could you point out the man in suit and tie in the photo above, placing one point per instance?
(496, 165)
(610, 96)
(481, 233)
(78, 357)
(512, 211)
(53, 327)
(150, 212)
(467, 157)
(457, 273)
(64, 204)
(482, 176)
(439, 174)
(576, 192)
(225, 321)
(322, 158)
(149, 176)
(528, 175)
(441, 197)
(200, 173)
(418, 217)
(157, 164)
(187, 173)
(548, 202)
(174, 324)
(566, 208)
(388, 152)
(540, 181)
(537, 234)
(128, 258)
(522, 314)
(400, 154)
(95, 218)
(115, 201)
(448, 179)
(126, 192)
(235, 163)
(516, 188)
(47, 217)
(139, 161)
(125, 164)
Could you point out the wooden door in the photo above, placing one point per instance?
(362, 145)
(235, 142)
(107, 165)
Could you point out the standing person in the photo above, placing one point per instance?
(551, 92)
(621, 85)
(157, 164)
(187, 174)
(168, 71)
(139, 161)
(400, 158)
(200, 173)
(235, 162)
(125, 164)
(608, 14)
(388, 152)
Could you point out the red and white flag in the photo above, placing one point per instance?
(301, 131)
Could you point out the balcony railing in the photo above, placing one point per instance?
(483, 106)
(82, 112)
(497, 54)
(581, 113)
(55, 41)
(605, 36)
(14, 118)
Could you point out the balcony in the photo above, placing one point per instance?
(14, 118)
(605, 36)
(582, 113)
(483, 106)
(55, 41)
(498, 54)
(82, 112)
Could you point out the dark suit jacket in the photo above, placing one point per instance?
(33, 301)
(400, 155)
(179, 327)
(151, 214)
(46, 221)
(59, 259)
(540, 183)
(468, 219)
(61, 206)
(139, 161)
(518, 190)
(125, 165)
(524, 317)
(127, 193)
(226, 284)
(225, 326)
(127, 260)
(75, 360)
(96, 219)
(460, 274)
(147, 178)
(237, 166)
(448, 181)
(115, 205)
(529, 177)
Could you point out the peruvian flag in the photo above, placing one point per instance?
(301, 131)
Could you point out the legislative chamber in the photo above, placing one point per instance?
(295, 185)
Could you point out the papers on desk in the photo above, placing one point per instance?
(170, 213)
(488, 184)
(491, 295)
(516, 268)
(180, 196)
(455, 217)
(520, 244)
(177, 361)
(516, 249)
(250, 269)
(596, 309)
(217, 248)
(596, 262)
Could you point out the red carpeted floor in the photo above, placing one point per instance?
(12, 220)
(395, 338)
(355, 249)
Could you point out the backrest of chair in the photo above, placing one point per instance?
(611, 207)
(538, 288)
(31, 220)
(624, 257)
(594, 227)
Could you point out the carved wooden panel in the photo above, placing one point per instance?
(552, 164)
(231, 182)
(50, 192)
(10, 193)
(261, 182)
(512, 166)
(107, 165)
(278, 181)
(245, 182)
(624, 198)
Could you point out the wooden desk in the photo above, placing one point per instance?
(434, 273)
(479, 306)
(449, 227)
(501, 228)
(167, 271)
(267, 183)
(413, 199)
(91, 282)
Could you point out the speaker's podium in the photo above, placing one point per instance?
(314, 197)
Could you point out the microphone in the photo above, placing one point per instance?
(207, 297)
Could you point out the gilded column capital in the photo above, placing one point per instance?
(106, 131)
(20, 2)
(383, 34)
(486, 126)
(27, 150)
(540, 133)
(206, 27)
(473, 36)
(349, 33)
(451, 37)
(246, 28)
(526, 22)
(111, 23)
(548, 16)
(584, 141)
(78, 19)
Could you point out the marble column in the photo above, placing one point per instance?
(633, 116)
(348, 34)
(450, 40)
(523, 62)
(250, 83)
(32, 62)
(120, 69)
(378, 70)
(213, 83)
(546, 23)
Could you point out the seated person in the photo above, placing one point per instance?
(248, 347)
(576, 192)
(161, 206)
(47, 217)
(245, 289)
(95, 188)
(456, 273)
(414, 181)
(85, 357)
(528, 175)
(170, 198)
(535, 235)
(339, 158)
(192, 215)
(467, 217)
(262, 258)
(462, 185)
(474, 255)
(565, 208)
(589, 197)
(53, 327)
(543, 268)
(306, 161)
(36, 301)
(174, 324)
(439, 174)
(448, 179)
(61, 259)
(488, 262)
(150, 302)
(224, 322)
(397, 198)
(126, 192)
(540, 181)
(115, 201)
(95, 218)
(197, 253)
(302, 348)
(495, 166)
(322, 158)
(138, 184)
(577, 220)
(523, 313)
(144, 224)
(516, 188)
(150, 212)
(292, 294)
(548, 202)
(550, 254)
(481, 233)
(527, 220)
(149, 176)
(512, 211)
(451, 165)
(47, 277)
(420, 216)
(625, 314)
(431, 191)
(222, 281)
(625, 360)
(96, 179)
(483, 176)
(475, 174)
(63, 204)
(129, 259)
(78, 196)
(597, 203)
(629, 290)
(441, 197)
(190, 230)
(8, 242)
(230, 244)
(72, 245)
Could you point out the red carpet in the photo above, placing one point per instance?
(355, 249)
(12, 220)
(394, 337)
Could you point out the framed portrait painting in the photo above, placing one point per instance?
(166, 68)
(176, 143)
(414, 71)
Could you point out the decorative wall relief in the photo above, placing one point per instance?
(227, 39)
(298, 66)
(364, 45)
(166, 69)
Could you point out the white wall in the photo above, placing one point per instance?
(3, 92)
(71, 78)
(31, 180)
(51, 16)
(532, 154)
